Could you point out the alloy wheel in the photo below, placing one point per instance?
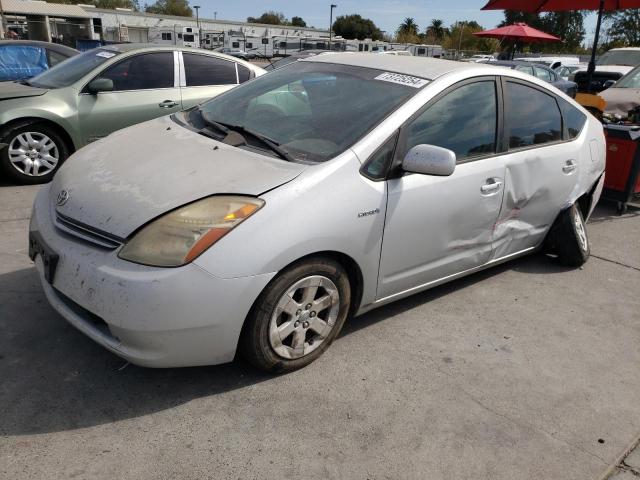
(580, 231)
(304, 317)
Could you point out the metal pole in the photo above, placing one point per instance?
(461, 25)
(331, 23)
(197, 7)
(594, 50)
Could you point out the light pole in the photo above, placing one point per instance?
(215, 15)
(197, 7)
(331, 23)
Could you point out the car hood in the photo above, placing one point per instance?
(623, 69)
(621, 100)
(134, 175)
(18, 90)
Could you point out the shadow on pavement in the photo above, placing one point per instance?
(55, 379)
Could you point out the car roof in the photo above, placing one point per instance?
(130, 47)
(429, 68)
(56, 47)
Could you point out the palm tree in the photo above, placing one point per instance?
(436, 29)
(408, 27)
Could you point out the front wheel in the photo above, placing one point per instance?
(297, 316)
(33, 152)
(569, 237)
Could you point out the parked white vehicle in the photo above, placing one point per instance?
(552, 62)
(255, 222)
(617, 60)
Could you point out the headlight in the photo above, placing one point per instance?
(180, 236)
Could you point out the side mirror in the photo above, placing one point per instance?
(100, 84)
(609, 84)
(429, 160)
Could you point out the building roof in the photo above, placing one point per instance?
(28, 7)
(202, 19)
(429, 68)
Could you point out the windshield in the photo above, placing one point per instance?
(73, 69)
(629, 58)
(630, 80)
(313, 111)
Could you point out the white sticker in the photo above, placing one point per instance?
(105, 54)
(407, 80)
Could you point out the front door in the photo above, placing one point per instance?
(438, 226)
(144, 87)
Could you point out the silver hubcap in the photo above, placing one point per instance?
(304, 317)
(579, 226)
(33, 154)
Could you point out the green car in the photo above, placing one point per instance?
(45, 119)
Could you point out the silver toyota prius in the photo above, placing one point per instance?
(260, 221)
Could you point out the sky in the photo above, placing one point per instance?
(387, 14)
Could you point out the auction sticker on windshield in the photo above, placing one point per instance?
(407, 80)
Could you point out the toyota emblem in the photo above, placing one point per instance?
(63, 196)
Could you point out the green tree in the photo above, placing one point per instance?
(407, 32)
(624, 28)
(178, 8)
(270, 18)
(436, 31)
(298, 22)
(354, 26)
(462, 36)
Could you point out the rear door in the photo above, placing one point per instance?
(205, 76)
(542, 167)
(435, 226)
(144, 87)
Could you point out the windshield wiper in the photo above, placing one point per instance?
(226, 128)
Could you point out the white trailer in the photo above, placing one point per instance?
(176, 35)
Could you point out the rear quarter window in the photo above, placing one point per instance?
(574, 119)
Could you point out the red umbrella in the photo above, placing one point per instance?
(520, 32)
(535, 6)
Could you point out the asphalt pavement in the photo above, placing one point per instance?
(525, 371)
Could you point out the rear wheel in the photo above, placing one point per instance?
(568, 237)
(297, 316)
(33, 153)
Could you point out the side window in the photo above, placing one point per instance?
(244, 73)
(205, 70)
(142, 72)
(55, 58)
(543, 74)
(378, 164)
(531, 116)
(464, 121)
(574, 119)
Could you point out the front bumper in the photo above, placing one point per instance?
(154, 317)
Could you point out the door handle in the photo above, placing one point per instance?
(168, 104)
(491, 187)
(569, 167)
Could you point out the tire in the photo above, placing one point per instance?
(33, 154)
(569, 237)
(297, 316)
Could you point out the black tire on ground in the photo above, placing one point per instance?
(10, 133)
(255, 345)
(568, 237)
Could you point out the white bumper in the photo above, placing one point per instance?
(154, 317)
